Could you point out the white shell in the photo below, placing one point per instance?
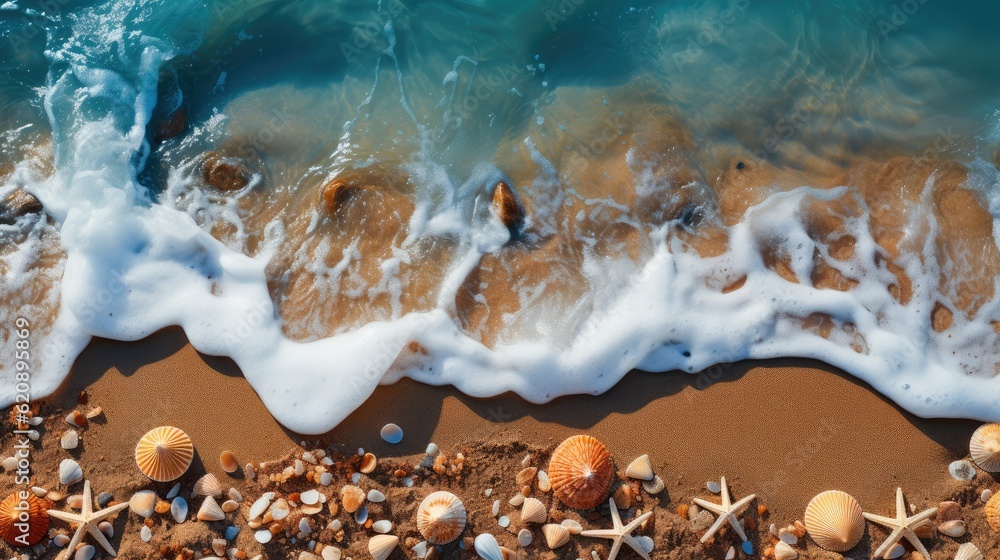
(263, 536)
(9, 464)
(146, 534)
(235, 495)
(69, 472)
(784, 551)
(392, 433)
(487, 547)
(555, 535)
(210, 510)
(208, 485)
(310, 497)
(985, 447)
(646, 543)
(641, 468)
(516, 500)
(375, 496)
(731, 553)
(503, 521)
(962, 470)
(968, 551)
(954, 528)
(381, 546)
(524, 537)
(381, 526)
(259, 507)
(573, 525)
(496, 508)
(143, 503)
(543, 482)
(986, 495)
(654, 486)
(70, 439)
(533, 511)
(332, 553)
(179, 509)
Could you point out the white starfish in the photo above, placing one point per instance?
(902, 526)
(621, 534)
(726, 512)
(87, 520)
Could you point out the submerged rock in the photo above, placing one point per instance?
(173, 125)
(335, 194)
(506, 206)
(16, 204)
(226, 173)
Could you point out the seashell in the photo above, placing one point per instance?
(731, 553)
(533, 511)
(381, 546)
(654, 486)
(640, 468)
(352, 498)
(219, 546)
(38, 520)
(94, 413)
(985, 447)
(784, 551)
(924, 530)
(992, 511)
(555, 535)
(179, 509)
(54, 495)
(75, 501)
(9, 464)
(234, 494)
(954, 528)
(143, 503)
(713, 487)
(229, 462)
(69, 440)
(76, 418)
(646, 543)
(441, 517)
(263, 536)
(526, 475)
(210, 510)
(896, 551)
(834, 520)
(544, 485)
(368, 463)
(230, 506)
(310, 497)
(146, 534)
(311, 509)
(87, 551)
(381, 526)
(581, 472)
(164, 453)
(326, 479)
(39, 491)
(259, 507)
(573, 526)
(516, 500)
(503, 521)
(332, 553)
(968, 551)
(208, 485)
(962, 470)
(69, 472)
(392, 433)
(986, 495)
(487, 547)
(375, 496)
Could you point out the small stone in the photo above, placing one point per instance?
(145, 533)
(70, 439)
(986, 495)
(17, 204)
(949, 511)
(225, 173)
(524, 537)
(506, 206)
(504, 521)
(962, 470)
(713, 487)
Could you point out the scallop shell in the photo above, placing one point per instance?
(834, 520)
(487, 547)
(38, 520)
(985, 447)
(143, 503)
(210, 510)
(441, 517)
(968, 551)
(533, 511)
(69, 472)
(352, 497)
(784, 551)
(641, 468)
(208, 485)
(164, 453)
(555, 535)
(381, 546)
(581, 472)
(992, 511)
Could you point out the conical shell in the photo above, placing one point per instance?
(834, 520)
(641, 469)
(211, 510)
(69, 472)
(555, 535)
(581, 472)
(441, 517)
(784, 551)
(968, 551)
(488, 548)
(992, 511)
(208, 485)
(533, 511)
(164, 453)
(381, 546)
(985, 447)
(38, 520)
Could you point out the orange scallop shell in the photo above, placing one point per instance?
(38, 520)
(164, 453)
(581, 472)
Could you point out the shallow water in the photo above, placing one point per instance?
(700, 184)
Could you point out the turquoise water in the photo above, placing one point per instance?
(660, 150)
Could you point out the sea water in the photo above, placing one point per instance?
(703, 182)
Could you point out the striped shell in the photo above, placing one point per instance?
(441, 517)
(992, 511)
(38, 519)
(985, 447)
(381, 546)
(834, 520)
(164, 453)
(968, 551)
(581, 472)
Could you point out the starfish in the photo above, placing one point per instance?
(902, 526)
(621, 534)
(87, 520)
(726, 512)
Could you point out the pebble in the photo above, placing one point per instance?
(382, 526)
(86, 552)
(70, 439)
(504, 521)
(146, 534)
(375, 496)
(392, 433)
(107, 528)
(325, 479)
(524, 537)
(986, 495)
(263, 536)
(713, 487)
(174, 491)
(962, 470)
(496, 508)
(646, 543)
(231, 532)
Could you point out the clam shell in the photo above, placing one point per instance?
(573, 526)
(230, 506)
(834, 520)
(259, 507)
(352, 498)
(968, 551)
(954, 528)
(69, 472)
(784, 551)
(654, 486)
(143, 503)
(179, 509)
(208, 485)
(555, 535)
(581, 472)
(210, 510)
(441, 517)
(164, 453)
(368, 463)
(487, 547)
(381, 546)
(985, 447)
(640, 468)
(992, 511)
(38, 520)
(533, 511)
(310, 497)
